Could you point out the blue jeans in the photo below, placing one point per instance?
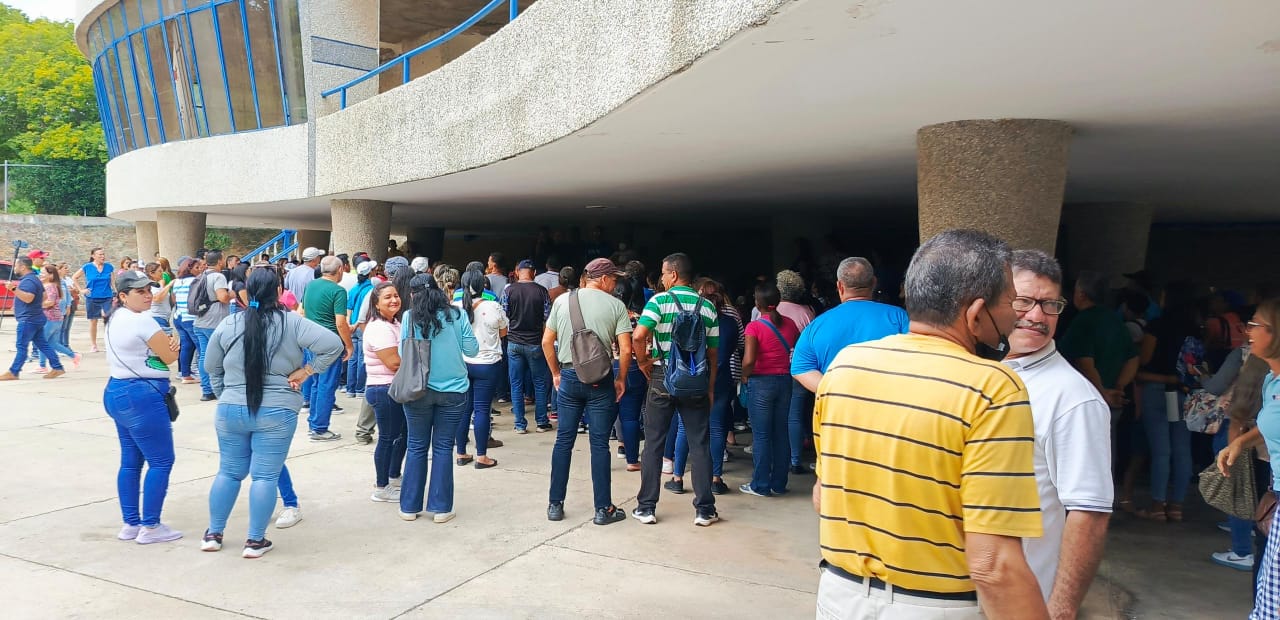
(250, 445)
(719, 425)
(599, 403)
(391, 430)
(1169, 442)
(202, 339)
(356, 373)
(484, 380)
(629, 411)
(146, 436)
(798, 418)
(53, 335)
(287, 495)
(32, 332)
(771, 398)
(1241, 530)
(525, 360)
(65, 335)
(431, 420)
(189, 347)
(323, 388)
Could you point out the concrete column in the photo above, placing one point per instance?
(340, 41)
(1005, 177)
(361, 226)
(1109, 238)
(312, 239)
(429, 242)
(179, 233)
(148, 241)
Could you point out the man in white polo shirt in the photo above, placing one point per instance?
(1072, 439)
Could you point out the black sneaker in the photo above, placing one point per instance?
(337, 409)
(706, 517)
(675, 486)
(622, 452)
(718, 487)
(799, 470)
(645, 515)
(211, 542)
(555, 511)
(256, 548)
(605, 516)
(206, 397)
(613, 434)
(582, 429)
(543, 428)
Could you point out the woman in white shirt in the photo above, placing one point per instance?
(489, 323)
(381, 344)
(184, 322)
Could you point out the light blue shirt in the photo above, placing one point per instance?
(448, 370)
(1269, 422)
(851, 322)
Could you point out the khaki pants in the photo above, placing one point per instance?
(841, 599)
(366, 422)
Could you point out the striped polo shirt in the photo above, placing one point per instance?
(918, 442)
(660, 314)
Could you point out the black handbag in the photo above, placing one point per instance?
(171, 401)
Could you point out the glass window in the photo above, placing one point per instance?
(130, 13)
(287, 27)
(150, 10)
(121, 104)
(181, 77)
(266, 73)
(164, 78)
(146, 88)
(209, 94)
(237, 63)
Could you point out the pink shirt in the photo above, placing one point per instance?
(378, 336)
(772, 358)
(802, 316)
(54, 292)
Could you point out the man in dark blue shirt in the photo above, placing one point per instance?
(28, 309)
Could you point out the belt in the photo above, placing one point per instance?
(568, 365)
(880, 585)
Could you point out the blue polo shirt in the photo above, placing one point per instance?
(30, 312)
(851, 322)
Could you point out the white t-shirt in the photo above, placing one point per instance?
(489, 320)
(348, 281)
(128, 355)
(1072, 453)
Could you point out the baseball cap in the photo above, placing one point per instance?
(420, 264)
(37, 254)
(130, 280)
(525, 264)
(601, 267)
(310, 254)
(366, 267)
(395, 264)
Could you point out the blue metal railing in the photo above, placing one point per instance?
(403, 59)
(279, 245)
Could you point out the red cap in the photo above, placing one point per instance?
(33, 254)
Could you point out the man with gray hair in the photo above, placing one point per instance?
(1072, 440)
(926, 484)
(1097, 343)
(325, 303)
(298, 278)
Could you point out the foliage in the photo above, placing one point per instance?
(68, 187)
(216, 240)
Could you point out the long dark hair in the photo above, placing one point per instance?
(401, 281)
(374, 315)
(264, 292)
(428, 303)
(473, 283)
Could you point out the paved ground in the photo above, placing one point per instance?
(500, 558)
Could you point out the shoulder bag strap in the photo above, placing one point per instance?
(575, 312)
(776, 333)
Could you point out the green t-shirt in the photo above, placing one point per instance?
(602, 313)
(1099, 334)
(324, 300)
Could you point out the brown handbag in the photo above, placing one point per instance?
(1265, 512)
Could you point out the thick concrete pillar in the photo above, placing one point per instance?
(312, 239)
(179, 233)
(429, 242)
(1109, 238)
(340, 38)
(361, 226)
(1005, 177)
(148, 241)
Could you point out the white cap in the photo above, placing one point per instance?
(366, 267)
(311, 254)
(419, 264)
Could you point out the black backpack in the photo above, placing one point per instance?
(198, 300)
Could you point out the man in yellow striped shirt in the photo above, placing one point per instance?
(925, 445)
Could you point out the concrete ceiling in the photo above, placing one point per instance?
(1175, 104)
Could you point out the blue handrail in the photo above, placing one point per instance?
(279, 245)
(403, 59)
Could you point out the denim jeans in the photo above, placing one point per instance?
(287, 495)
(524, 360)
(323, 393)
(719, 426)
(146, 436)
(771, 398)
(629, 411)
(1169, 442)
(250, 444)
(599, 403)
(53, 335)
(65, 335)
(798, 419)
(484, 380)
(659, 409)
(1241, 530)
(391, 431)
(432, 420)
(189, 347)
(32, 333)
(202, 339)
(356, 372)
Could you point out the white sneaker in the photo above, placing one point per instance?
(158, 534)
(667, 467)
(409, 516)
(1230, 560)
(386, 494)
(443, 517)
(129, 532)
(289, 517)
(393, 482)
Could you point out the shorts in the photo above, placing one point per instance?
(97, 307)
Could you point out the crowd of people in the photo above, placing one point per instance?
(963, 445)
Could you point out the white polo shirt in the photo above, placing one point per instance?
(1073, 451)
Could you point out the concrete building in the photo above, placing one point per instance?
(855, 124)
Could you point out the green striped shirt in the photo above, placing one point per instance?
(660, 314)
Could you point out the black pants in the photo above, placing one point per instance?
(660, 407)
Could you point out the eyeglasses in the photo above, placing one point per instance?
(1248, 327)
(1051, 307)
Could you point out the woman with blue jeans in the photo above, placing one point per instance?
(630, 291)
(255, 366)
(183, 323)
(55, 305)
(433, 420)
(381, 350)
(489, 325)
(1159, 384)
(137, 357)
(766, 369)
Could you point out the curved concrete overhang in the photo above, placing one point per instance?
(87, 12)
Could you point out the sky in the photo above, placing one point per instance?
(52, 9)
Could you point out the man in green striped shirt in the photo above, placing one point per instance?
(656, 323)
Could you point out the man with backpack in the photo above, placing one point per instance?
(210, 302)
(681, 367)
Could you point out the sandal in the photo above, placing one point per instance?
(463, 460)
(1174, 513)
(1156, 513)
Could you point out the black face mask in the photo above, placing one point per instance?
(986, 351)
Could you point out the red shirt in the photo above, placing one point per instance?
(772, 358)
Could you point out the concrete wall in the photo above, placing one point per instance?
(69, 238)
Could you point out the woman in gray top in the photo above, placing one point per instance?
(254, 361)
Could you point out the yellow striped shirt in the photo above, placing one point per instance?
(918, 442)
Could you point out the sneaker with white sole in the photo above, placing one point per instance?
(254, 549)
(667, 466)
(444, 517)
(409, 516)
(211, 542)
(129, 532)
(1230, 560)
(644, 515)
(289, 517)
(387, 494)
(393, 482)
(158, 534)
(705, 517)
